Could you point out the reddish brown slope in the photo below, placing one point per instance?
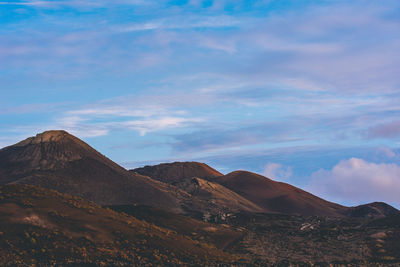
(177, 171)
(196, 179)
(278, 197)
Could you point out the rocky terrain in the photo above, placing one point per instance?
(273, 238)
(48, 228)
(64, 203)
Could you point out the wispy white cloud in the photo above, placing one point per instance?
(33, 3)
(76, 125)
(70, 3)
(390, 129)
(277, 171)
(182, 22)
(53, 4)
(88, 127)
(142, 114)
(214, 44)
(161, 123)
(386, 152)
(33, 108)
(101, 110)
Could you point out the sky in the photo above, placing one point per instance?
(304, 92)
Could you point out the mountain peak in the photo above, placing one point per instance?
(47, 150)
(46, 137)
(176, 171)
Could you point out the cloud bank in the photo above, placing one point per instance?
(358, 181)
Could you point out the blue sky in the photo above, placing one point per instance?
(305, 92)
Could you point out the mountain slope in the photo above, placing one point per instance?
(372, 210)
(215, 198)
(176, 171)
(60, 161)
(196, 179)
(46, 228)
(278, 197)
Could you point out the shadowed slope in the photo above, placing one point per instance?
(278, 197)
(46, 228)
(176, 171)
(58, 160)
(219, 235)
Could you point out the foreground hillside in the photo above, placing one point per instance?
(286, 240)
(44, 226)
(276, 239)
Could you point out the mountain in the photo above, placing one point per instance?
(60, 161)
(174, 172)
(247, 191)
(277, 197)
(372, 210)
(196, 179)
(43, 227)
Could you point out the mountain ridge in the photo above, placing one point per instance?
(58, 160)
